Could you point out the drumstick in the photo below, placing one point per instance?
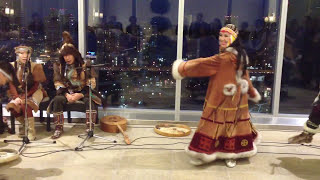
(126, 137)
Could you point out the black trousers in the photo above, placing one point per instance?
(60, 101)
(314, 117)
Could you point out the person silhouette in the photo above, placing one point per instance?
(198, 26)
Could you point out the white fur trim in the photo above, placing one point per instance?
(202, 158)
(313, 131)
(229, 89)
(244, 86)
(247, 58)
(235, 52)
(239, 73)
(257, 96)
(258, 138)
(206, 158)
(317, 98)
(175, 73)
(232, 50)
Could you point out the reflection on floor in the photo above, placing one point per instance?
(155, 157)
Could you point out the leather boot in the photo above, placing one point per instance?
(93, 116)
(31, 129)
(304, 137)
(59, 121)
(20, 119)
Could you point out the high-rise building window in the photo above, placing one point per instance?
(39, 24)
(257, 21)
(136, 41)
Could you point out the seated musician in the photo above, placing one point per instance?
(71, 83)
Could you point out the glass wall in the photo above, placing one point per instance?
(136, 41)
(301, 65)
(258, 35)
(39, 24)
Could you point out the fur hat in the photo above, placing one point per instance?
(68, 48)
(232, 30)
(22, 48)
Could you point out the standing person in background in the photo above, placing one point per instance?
(311, 126)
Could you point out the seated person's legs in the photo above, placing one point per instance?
(58, 103)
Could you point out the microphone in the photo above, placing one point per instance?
(26, 67)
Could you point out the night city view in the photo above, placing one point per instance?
(137, 46)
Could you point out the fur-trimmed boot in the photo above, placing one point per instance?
(93, 116)
(31, 129)
(20, 119)
(304, 137)
(59, 121)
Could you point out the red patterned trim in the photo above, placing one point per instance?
(244, 119)
(204, 144)
(229, 122)
(218, 122)
(206, 119)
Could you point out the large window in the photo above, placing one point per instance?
(301, 63)
(136, 41)
(258, 35)
(135, 44)
(39, 24)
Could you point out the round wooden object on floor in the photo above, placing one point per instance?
(172, 130)
(110, 123)
(7, 155)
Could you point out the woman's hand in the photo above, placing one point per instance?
(69, 97)
(77, 96)
(74, 97)
(17, 101)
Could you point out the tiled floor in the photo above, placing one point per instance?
(154, 157)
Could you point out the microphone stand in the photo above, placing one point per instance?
(25, 140)
(90, 133)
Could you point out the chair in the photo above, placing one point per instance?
(3, 125)
(1, 120)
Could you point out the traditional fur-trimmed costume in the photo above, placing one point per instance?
(311, 126)
(71, 79)
(7, 75)
(35, 92)
(8, 79)
(225, 130)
